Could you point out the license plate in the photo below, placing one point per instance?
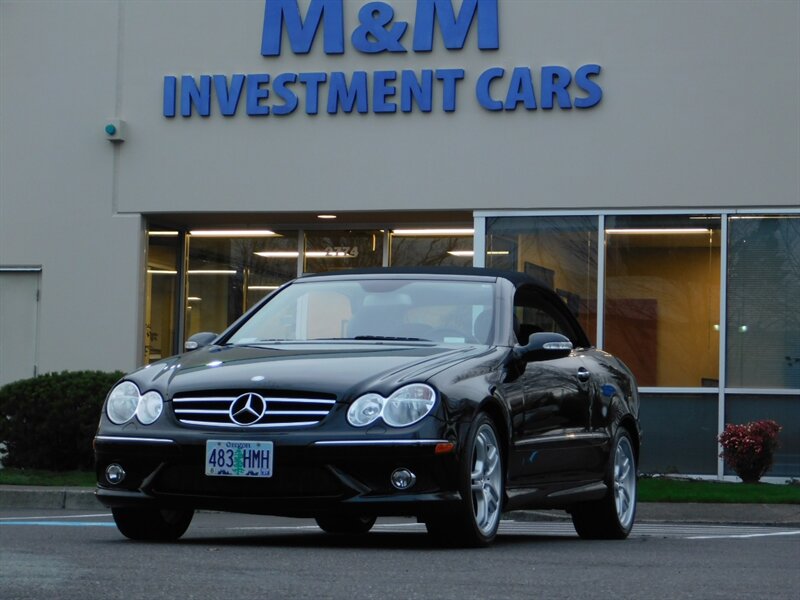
(230, 458)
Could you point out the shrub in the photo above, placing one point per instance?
(749, 449)
(48, 422)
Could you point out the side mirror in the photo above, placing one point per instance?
(544, 346)
(198, 340)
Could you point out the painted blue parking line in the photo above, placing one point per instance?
(60, 523)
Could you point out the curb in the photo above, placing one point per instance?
(784, 515)
(54, 499)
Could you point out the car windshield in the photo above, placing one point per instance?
(453, 312)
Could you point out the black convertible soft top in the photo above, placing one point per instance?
(518, 279)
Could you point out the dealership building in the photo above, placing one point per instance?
(164, 165)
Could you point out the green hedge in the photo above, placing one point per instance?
(48, 422)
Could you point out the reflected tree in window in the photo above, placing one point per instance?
(763, 334)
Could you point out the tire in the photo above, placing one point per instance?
(152, 524)
(345, 524)
(612, 517)
(482, 481)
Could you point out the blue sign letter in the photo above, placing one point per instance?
(301, 33)
(197, 96)
(454, 29)
(482, 88)
(341, 94)
(228, 99)
(555, 81)
(449, 78)
(594, 91)
(170, 87)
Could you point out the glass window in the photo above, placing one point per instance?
(450, 312)
(785, 410)
(662, 298)
(763, 301)
(680, 433)
(338, 250)
(415, 248)
(229, 273)
(559, 251)
(161, 294)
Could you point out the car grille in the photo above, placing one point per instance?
(253, 409)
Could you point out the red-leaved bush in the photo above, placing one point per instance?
(749, 449)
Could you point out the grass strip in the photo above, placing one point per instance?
(677, 490)
(50, 478)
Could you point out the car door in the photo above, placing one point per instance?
(556, 442)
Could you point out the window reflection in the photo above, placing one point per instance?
(763, 326)
(415, 249)
(338, 250)
(161, 295)
(559, 251)
(681, 433)
(662, 298)
(227, 275)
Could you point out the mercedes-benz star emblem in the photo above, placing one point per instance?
(247, 409)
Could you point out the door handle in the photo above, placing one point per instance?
(583, 375)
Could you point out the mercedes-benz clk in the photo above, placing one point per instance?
(449, 395)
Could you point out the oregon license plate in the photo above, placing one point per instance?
(232, 458)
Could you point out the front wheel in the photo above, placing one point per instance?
(611, 518)
(345, 524)
(152, 524)
(482, 478)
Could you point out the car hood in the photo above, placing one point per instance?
(340, 368)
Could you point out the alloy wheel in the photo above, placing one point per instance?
(486, 480)
(624, 482)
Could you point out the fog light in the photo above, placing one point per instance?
(403, 479)
(115, 474)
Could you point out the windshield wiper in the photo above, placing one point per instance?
(251, 342)
(390, 337)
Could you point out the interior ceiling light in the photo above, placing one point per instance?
(308, 254)
(161, 272)
(472, 252)
(278, 254)
(659, 231)
(162, 233)
(323, 254)
(210, 272)
(232, 233)
(326, 216)
(452, 232)
(263, 287)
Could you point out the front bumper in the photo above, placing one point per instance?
(311, 476)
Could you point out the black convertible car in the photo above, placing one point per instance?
(448, 395)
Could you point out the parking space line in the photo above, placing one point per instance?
(55, 517)
(743, 536)
(60, 523)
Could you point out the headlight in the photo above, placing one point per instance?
(149, 409)
(405, 407)
(408, 405)
(365, 410)
(125, 401)
(122, 403)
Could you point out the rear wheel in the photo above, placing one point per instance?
(611, 518)
(152, 524)
(345, 524)
(482, 478)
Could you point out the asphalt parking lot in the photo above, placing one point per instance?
(69, 553)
